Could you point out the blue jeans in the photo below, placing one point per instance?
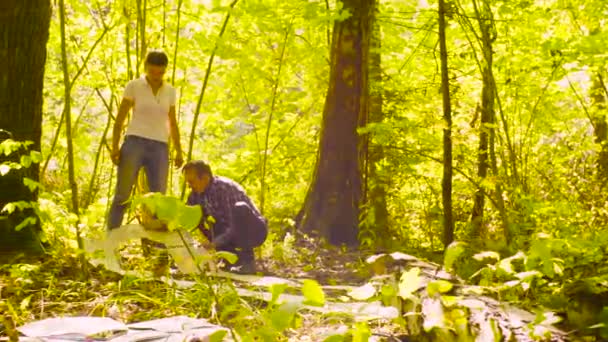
(135, 153)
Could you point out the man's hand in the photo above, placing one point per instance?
(115, 155)
(179, 159)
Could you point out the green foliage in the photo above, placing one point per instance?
(313, 293)
(170, 210)
(454, 250)
(27, 157)
(546, 55)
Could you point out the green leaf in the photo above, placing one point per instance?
(361, 333)
(335, 338)
(166, 207)
(388, 291)
(25, 303)
(218, 336)
(409, 283)
(277, 290)
(31, 184)
(9, 208)
(230, 257)
(189, 216)
(313, 293)
(283, 316)
(438, 286)
(364, 292)
(26, 161)
(454, 250)
(26, 222)
(36, 156)
(9, 146)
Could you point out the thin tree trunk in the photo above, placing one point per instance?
(269, 124)
(374, 185)
(487, 116)
(332, 204)
(53, 144)
(89, 197)
(165, 21)
(204, 87)
(142, 28)
(446, 184)
(138, 43)
(600, 127)
(177, 31)
(128, 42)
(68, 122)
(78, 73)
(24, 33)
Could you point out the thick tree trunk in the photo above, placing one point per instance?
(446, 184)
(23, 35)
(332, 203)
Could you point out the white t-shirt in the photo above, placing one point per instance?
(150, 113)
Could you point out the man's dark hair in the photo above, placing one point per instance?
(157, 58)
(199, 166)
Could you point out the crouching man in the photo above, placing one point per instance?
(237, 225)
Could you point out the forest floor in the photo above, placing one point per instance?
(36, 289)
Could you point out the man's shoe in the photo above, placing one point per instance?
(245, 268)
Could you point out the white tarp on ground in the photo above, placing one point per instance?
(116, 238)
(178, 328)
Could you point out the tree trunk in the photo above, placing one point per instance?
(446, 184)
(332, 204)
(68, 123)
(374, 185)
(600, 127)
(486, 128)
(23, 36)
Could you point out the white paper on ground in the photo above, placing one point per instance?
(71, 328)
(175, 328)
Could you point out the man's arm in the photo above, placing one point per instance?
(201, 225)
(179, 159)
(123, 110)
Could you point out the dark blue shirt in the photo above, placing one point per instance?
(218, 201)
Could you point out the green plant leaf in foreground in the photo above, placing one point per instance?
(230, 257)
(438, 287)
(218, 336)
(454, 250)
(313, 293)
(283, 316)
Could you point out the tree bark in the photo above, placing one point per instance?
(488, 115)
(332, 203)
(600, 127)
(24, 33)
(68, 123)
(374, 186)
(446, 184)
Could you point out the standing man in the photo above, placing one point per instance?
(237, 225)
(146, 140)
